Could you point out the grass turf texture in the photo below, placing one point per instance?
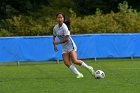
(121, 77)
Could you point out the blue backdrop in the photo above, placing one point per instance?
(89, 46)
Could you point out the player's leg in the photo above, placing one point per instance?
(66, 59)
(73, 56)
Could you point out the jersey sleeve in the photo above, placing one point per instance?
(66, 31)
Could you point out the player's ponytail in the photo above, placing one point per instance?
(67, 22)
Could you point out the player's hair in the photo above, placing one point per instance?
(67, 22)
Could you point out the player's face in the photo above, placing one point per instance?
(60, 19)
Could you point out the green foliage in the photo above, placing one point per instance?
(26, 26)
(9, 8)
(4, 33)
(127, 20)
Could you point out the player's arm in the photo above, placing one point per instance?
(66, 38)
(54, 40)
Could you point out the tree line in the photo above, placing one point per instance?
(81, 7)
(37, 17)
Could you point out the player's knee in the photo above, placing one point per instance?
(75, 61)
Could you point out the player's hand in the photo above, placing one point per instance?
(55, 48)
(55, 43)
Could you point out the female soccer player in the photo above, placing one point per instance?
(68, 46)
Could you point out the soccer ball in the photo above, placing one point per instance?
(99, 74)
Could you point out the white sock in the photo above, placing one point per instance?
(85, 65)
(74, 70)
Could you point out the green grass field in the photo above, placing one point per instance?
(122, 76)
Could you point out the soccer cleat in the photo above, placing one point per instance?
(91, 70)
(80, 76)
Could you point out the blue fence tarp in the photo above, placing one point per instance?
(89, 46)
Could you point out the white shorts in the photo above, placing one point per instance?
(68, 50)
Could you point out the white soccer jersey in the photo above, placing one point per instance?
(61, 32)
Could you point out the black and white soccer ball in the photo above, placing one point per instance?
(99, 74)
